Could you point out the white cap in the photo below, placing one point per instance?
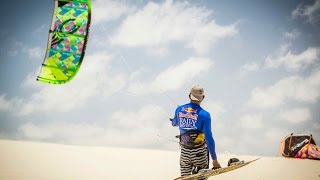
(196, 93)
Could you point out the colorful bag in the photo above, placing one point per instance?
(300, 146)
(312, 152)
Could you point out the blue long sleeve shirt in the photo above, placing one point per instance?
(192, 117)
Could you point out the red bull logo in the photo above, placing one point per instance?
(190, 113)
(189, 110)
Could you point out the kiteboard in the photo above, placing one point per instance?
(206, 173)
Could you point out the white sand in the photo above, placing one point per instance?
(42, 161)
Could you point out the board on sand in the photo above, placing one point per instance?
(208, 173)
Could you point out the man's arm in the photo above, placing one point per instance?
(208, 135)
(175, 121)
(210, 141)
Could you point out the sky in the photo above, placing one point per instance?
(258, 62)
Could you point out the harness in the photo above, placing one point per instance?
(192, 139)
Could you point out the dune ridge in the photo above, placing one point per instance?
(21, 160)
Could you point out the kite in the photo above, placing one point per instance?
(68, 36)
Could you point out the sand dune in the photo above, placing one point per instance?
(42, 161)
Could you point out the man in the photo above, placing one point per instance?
(195, 134)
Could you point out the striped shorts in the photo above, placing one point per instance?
(193, 160)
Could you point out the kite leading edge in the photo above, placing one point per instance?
(68, 37)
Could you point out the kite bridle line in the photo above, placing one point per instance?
(168, 138)
(151, 131)
(131, 72)
(145, 99)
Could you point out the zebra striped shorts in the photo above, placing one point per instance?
(193, 160)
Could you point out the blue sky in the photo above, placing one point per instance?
(258, 62)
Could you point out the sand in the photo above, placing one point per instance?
(43, 161)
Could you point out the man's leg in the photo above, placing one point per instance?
(185, 162)
(200, 159)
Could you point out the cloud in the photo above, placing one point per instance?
(291, 88)
(141, 127)
(150, 116)
(4, 103)
(296, 115)
(225, 143)
(108, 10)
(252, 121)
(173, 77)
(65, 132)
(292, 35)
(276, 134)
(34, 52)
(216, 109)
(159, 24)
(93, 79)
(135, 128)
(9, 104)
(309, 12)
(295, 61)
(316, 127)
(273, 137)
(13, 52)
(158, 52)
(14, 47)
(40, 29)
(248, 68)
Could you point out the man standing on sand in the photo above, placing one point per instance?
(195, 134)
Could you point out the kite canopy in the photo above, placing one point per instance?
(300, 146)
(68, 36)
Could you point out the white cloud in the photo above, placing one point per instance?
(248, 68)
(107, 10)
(30, 80)
(296, 115)
(13, 52)
(141, 127)
(290, 88)
(284, 48)
(158, 24)
(276, 134)
(316, 125)
(158, 51)
(93, 79)
(66, 132)
(9, 104)
(215, 108)
(252, 121)
(266, 97)
(40, 29)
(15, 47)
(5, 104)
(174, 77)
(295, 61)
(310, 12)
(138, 128)
(292, 35)
(150, 116)
(273, 137)
(34, 52)
(225, 143)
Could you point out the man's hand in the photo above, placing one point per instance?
(216, 164)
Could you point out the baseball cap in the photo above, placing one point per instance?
(196, 93)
